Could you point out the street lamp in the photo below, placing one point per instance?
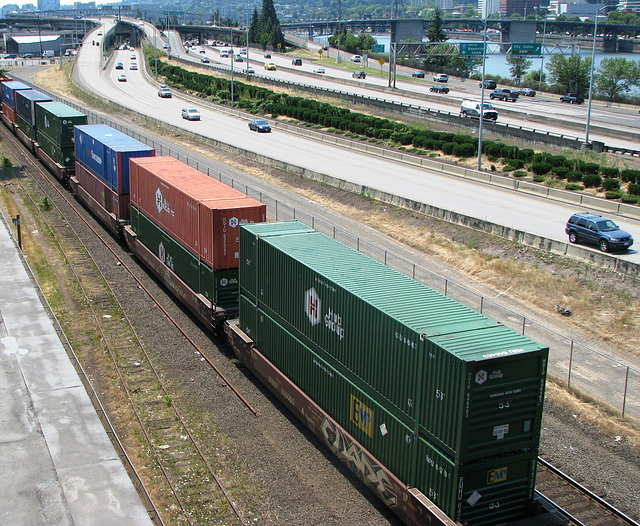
(593, 60)
(484, 56)
(544, 34)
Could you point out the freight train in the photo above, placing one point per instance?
(437, 408)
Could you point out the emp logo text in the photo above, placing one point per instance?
(497, 475)
(362, 416)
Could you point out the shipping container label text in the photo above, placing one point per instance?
(497, 475)
(162, 204)
(362, 416)
(313, 309)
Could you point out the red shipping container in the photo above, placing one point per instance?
(202, 214)
(113, 203)
(10, 113)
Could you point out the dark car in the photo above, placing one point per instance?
(11, 56)
(504, 94)
(267, 55)
(597, 230)
(259, 125)
(359, 75)
(439, 88)
(418, 74)
(528, 92)
(489, 84)
(119, 65)
(296, 62)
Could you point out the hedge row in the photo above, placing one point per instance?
(264, 101)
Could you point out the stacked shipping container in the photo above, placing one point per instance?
(191, 222)
(9, 90)
(102, 165)
(26, 101)
(54, 131)
(411, 374)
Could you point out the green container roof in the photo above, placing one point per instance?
(61, 110)
(411, 303)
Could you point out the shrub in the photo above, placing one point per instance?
(574, 187)
(613, 194)
(541, 168)
(630, 176)
(520, 173)
(630, 199)
(539, 178)
(611, 184)
(560, 171)
(526, 154)
(447, 148)
(464, 150)
(609, 171)
(514, 164)
(592, 180)
(634, 189)
(574, 176)
(587, 168)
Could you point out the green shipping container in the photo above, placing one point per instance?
(489, 491)
(248, 274)
(56, 120)
(390, 334)
(220, 288)
(26, 127)
(65, 157)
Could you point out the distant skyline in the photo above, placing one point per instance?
(35, 2)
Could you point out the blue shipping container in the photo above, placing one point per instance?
(8, 92)
(105, 152)
(26, 104)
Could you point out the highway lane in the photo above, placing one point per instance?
(527, 111)
(539, 216)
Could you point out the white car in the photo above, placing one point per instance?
(356, 58)
(249, 71)
(122, 78)
(191, 114)
(133, 65)
(319, 69)
(133, 56)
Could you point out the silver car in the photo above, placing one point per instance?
(191, 114)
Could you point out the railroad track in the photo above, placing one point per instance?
(195, 494)
(582, 506)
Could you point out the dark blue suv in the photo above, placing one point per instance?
(597, 230)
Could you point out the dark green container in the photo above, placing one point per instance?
(390, 335)
(26, 127)
(65, 157)
(248, 271)
(488, 491)
(56, 120)
(220, 288)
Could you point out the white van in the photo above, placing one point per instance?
(471, 108)
(49, 53)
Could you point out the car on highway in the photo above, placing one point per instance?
(133, 66)
(11, 56)
(191, 114)
(528, 92)
(27, 55)
(359, 75)
(119, 65)
(439, 88)
(296, 62)
(319, 69)
(203, 50)
(132, 56)
(260, 125)
(418, 74)
(504, 94)
(122, 78)
(489, 84)
(572, 98)
(356, 58)
(164, 92)
(269, 66)
(249, 71)
(238, 58)
(441, 77)
(267, 55)
(205, 60)
(597, 230)
(472, 108)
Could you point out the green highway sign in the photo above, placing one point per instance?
(472, 49)
(526, 48)
(377, 48)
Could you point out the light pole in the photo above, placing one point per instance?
(593, 60)
(544, 34)
(484, 56)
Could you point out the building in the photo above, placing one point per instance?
(486, 8)
(629, 6)
(49, 5)
(9, 8)
(35, 44)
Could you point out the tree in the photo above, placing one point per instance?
(265, 29)
(519, 66)
(435, 33)
(617, 76)
(570, 73)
